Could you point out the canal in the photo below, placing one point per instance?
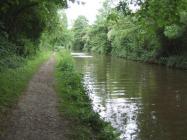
(142, 101)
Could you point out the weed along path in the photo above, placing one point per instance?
(36, 116)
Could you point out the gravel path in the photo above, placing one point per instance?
(36, 116)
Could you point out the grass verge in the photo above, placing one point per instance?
(14, 81)
(75, 105)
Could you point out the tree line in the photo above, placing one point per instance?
(154, 31)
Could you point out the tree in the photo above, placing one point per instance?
(24, 21)
(156, 30)
(79, 30)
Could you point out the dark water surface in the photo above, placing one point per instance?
(144, 102)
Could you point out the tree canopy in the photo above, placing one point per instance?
(79, 30)
(22, 22)
(156, 30)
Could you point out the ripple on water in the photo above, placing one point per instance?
(141, 101)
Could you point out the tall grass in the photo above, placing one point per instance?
(14, 81)
(75, 105)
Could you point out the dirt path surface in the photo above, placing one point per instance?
(36, 116)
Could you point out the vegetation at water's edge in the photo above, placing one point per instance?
(75, 105)
(156, 32)
(14, 81)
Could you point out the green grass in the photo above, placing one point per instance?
(75, 105)
(14, 81)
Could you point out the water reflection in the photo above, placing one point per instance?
(80, 55)
(144, 102)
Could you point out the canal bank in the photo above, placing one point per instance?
(75, 105)
(142, 101)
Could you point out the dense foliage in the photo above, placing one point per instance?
(28, 25)
(153, 30)
(23, 21)
(79, 30)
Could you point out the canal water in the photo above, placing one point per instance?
(144, 102)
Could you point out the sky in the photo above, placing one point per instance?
(89, 10)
